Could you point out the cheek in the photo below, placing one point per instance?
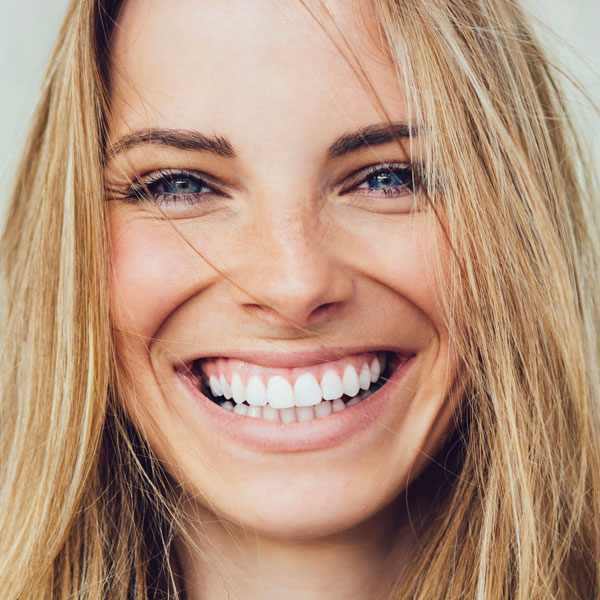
(153, 272)
(401, 255)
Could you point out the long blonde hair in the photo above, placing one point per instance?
(83, 507)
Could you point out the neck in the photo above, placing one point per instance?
(221, 560)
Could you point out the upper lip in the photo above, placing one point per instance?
(291, 359)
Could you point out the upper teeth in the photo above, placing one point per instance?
(307, 388)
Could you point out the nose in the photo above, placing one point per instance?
(290, 275)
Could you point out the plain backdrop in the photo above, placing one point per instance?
(570, 29)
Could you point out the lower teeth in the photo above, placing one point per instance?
(296, 414)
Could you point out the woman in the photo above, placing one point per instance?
(300, 304)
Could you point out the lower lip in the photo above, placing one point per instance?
(269, 436)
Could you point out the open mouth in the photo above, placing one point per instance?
(290, 395)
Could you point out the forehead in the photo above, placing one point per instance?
(247, 69)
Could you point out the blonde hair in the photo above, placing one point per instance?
(83, 507)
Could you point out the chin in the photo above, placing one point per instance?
(300, 506)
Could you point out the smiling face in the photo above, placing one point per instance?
(278, 316)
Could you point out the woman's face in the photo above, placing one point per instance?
(288, 253)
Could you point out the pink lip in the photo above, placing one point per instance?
(301, 358)
(267, 436)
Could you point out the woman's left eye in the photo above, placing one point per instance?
(382, 180)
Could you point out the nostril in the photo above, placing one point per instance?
(321, 312)
(288, 317)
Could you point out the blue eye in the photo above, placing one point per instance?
(170, 187)
(181, 185)
(385, 179)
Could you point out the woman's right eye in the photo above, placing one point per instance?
(168, 187)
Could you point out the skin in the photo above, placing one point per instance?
(283, 259)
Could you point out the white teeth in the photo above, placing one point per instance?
(305, 413)
(306, 390)
(350, 381)
(215, 386)
(305, 400)
(280, 393)
(331, 385)
(255, 411)
(237, 389)
(288, 415)
(291, 414)
(240, 409)
(225, 386)
(365, 377)
(323, 409)
(256, 392)
(298, 414)
(270, 413)
(337, 405)
(375, 370)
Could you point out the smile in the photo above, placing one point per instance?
(267, 378)
(293, 394)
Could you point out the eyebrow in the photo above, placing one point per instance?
(372, 135)
(174, 138)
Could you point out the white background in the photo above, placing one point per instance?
(571, 31)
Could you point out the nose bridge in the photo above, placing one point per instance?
(292, 274)
(292, 226)
(294, 251)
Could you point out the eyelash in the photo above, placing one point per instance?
(147, 188)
